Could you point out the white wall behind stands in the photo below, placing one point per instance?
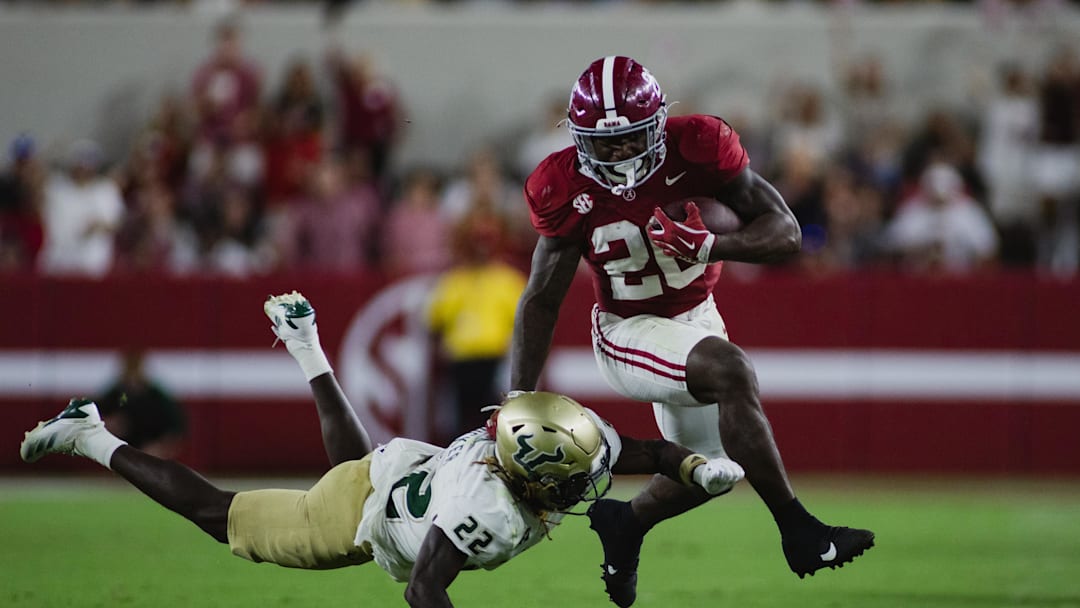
(479, 71)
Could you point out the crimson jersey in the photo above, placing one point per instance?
(630, 275)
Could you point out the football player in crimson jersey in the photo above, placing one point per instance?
(656, 332)
(421, 512)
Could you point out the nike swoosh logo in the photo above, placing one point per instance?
(829, 555)
(612, 570)
(672, 180)
(686, 243)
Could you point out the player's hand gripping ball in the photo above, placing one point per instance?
(683, 230)
(717, 217)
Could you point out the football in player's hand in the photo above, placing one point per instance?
(718, 217)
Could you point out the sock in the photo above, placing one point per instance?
(792, 517)
(98, 445)
(312, 360)
(633, 521)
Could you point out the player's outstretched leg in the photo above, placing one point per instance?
(718, 371)
(59, 434)
(79, 431)
(293, 318)
(621, 535)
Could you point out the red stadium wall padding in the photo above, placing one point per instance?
(268, 425)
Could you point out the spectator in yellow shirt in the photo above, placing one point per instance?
(472, 313)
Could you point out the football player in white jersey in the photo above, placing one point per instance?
(423, 513)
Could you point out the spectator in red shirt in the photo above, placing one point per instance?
(294, 141)
(226, 87)
(415, 238)
(331, 228)
(369, 108)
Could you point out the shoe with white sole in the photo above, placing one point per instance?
(57, 435)
(293, 319)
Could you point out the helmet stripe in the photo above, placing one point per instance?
(608, 86)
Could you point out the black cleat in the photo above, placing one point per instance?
(831, 546)
(621, 536)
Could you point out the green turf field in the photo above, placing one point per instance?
(971, 544)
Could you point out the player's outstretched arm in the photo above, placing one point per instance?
(437, 565)
(293, 318)
(658, 456)
(554, 263)
(770, 232)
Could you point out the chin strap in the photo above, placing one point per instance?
(629, 171)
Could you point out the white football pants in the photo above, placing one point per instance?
(644, 358)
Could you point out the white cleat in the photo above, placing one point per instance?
(293, 320)
(57, 435)
(718, 475)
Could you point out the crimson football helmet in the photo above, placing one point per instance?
(617, 115)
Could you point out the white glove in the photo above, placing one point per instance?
(293, 320)
(718, 475)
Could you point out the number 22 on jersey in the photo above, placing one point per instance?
(414, 491)
(629, 280)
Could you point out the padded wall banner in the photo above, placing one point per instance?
(856, 373)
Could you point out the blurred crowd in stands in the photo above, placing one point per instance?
(235, 180)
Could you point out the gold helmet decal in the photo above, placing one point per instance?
(551, 450)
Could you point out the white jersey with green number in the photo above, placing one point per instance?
(417, 485)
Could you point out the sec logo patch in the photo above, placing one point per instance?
(583, 203)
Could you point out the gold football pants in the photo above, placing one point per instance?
(296, 529)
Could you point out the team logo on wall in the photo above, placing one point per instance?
(384, 362)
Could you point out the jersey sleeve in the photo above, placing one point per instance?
(479, 528)
(550, 208)
(709, 141)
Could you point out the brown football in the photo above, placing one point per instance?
(718, 217)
